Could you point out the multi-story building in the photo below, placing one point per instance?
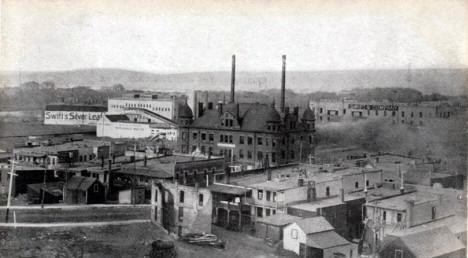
(181, 209)
(166, 106)
(405, 113)
(250, 134)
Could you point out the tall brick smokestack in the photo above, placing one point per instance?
(283, 84)
(233, 78)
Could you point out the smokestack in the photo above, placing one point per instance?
(283, 84)
(233, 78)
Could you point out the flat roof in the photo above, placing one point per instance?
(286, 177)
(67, 146)
(399, 202)
(279, 219)
(228, 189)
(82, 108)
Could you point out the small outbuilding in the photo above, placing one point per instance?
(84, 190)
(271, 228)
(315, 237)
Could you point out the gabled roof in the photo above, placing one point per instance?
(326, 239)
(252, 116)
(80, 183)
(314, 225)
(432, 243)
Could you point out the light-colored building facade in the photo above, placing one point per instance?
(138, 123)
(181, 209)
(417, 114)
(315, 237)
(166, 106)
(61, 114)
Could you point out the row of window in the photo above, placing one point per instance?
(269, 195)
(376, 112)
(224, 138)
(268, 212)
(141, 105)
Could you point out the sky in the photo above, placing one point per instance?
(193, 36)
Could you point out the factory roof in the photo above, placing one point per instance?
(85, 108)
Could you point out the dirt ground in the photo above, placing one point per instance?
(118, 241)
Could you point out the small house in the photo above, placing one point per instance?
(271, 228)
(84, 190)
(315, 237)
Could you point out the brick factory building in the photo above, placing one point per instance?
(249, 134)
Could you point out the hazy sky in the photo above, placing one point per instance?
(187, 36)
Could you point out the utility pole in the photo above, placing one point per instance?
(43, 188)
(10, 188)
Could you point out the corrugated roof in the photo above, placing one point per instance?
(327, 239)
(314, 225)
(64, 107)
(432, 243)
(80, 183)
(228, 189)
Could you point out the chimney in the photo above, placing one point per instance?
(283, 84)
(227, 174)
(296, 111)
(409, 212)
(342, 195)
(233, 78)
(145, 161)
(200, 109)
(110, 176)
(237, 111)
(220, 108)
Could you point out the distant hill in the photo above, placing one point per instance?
(443, 81)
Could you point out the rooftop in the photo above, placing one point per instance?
(83, 108)
(53, 149)
(399, 202)
(422, 244)
(228, 189)
(314, 225)
(327, 239)
(279, 219)
(328, 202)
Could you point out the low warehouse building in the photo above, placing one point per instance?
(271, 228)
